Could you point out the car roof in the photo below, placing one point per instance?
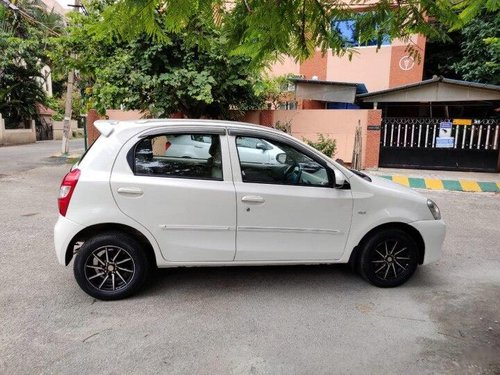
(106, 127)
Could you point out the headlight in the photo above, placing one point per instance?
(434, 209)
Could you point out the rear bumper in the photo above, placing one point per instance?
(64, 231)
(433, 233)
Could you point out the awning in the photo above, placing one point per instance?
(327, 91)
(437, 89)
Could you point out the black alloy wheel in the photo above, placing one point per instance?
(389, 258)
(111, 266)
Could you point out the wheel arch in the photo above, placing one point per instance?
(95, 229)
(414, 233)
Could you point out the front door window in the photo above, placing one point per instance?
(278, 163)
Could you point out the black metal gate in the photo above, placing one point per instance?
(415, 143)
(44, 130)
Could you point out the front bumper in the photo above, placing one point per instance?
(433, 233)
(64, 231)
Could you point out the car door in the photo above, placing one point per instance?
(188, 204)
(288, 211)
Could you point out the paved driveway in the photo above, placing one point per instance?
(268, 320)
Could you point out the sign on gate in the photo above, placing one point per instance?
(444, 140)
(462, 121)
(445, 129)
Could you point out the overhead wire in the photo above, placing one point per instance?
(29, 17)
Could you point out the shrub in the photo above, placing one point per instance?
(327, 146)
(285, 126)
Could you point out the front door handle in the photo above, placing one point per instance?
(130, 191)
(252, 199)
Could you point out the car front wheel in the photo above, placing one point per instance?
(111, 266)
(389, 258)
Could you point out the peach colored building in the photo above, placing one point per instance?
(378, 69)
(56, 7)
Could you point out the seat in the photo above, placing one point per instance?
(215, 160)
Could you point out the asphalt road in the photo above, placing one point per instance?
(267, 320)
(15, 159)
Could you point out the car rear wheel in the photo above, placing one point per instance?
(389, 258)
(111, 266)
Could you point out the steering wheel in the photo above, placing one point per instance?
(293, 173)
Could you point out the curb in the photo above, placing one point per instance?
(69, 159)
(451, 185)
(68, 156)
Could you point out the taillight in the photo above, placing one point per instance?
(167, 145)
(66, 190)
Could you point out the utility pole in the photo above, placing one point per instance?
(68, 107)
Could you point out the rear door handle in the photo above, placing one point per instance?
(252, 199)
(130, 191)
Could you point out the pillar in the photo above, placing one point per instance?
(373, 132)
(92, 132)
(266, 118)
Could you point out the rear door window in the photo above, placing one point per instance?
(179, 155)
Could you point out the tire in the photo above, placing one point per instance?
(111, 266)
(388, 258)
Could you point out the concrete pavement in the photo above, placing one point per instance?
(254, 320)
(15, 159)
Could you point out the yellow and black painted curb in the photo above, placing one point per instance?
(452, 185)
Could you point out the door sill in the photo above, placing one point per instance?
(249, 263)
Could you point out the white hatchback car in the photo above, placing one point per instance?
(126, 207)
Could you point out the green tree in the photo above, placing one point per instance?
(440, 55)
(191, 72)
(471, 53)
(20, 90)
(480, 50)
(264, 29)
(275, 90)
(23, 39)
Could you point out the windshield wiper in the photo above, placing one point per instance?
(360, 174)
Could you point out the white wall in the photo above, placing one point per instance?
(16, 136)
(57, 129)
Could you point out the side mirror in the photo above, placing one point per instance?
(281, 158)
(340, 179)
(261, 146)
